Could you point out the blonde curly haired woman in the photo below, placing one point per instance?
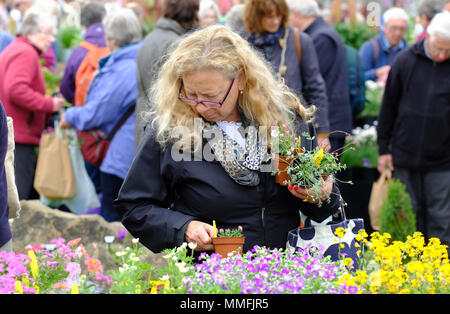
(211, 89)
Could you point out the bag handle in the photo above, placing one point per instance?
(341, 209)
(298, 45)
(386, 175)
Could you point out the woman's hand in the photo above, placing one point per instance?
(308, 195)
(200, 233)
(63, 123)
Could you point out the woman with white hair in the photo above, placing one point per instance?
(208, 13)
(22, 91)
(112, 93)
(378, 53)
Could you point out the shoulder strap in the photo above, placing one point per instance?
(121, 122)
(87, 45)
(298, 45)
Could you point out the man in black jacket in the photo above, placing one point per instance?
(331, 54)
(414, 127)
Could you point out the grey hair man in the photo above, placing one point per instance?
(331, 54)
(413, 127)
(379, 52)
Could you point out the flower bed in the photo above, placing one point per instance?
(412, 266)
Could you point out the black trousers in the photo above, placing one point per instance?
(430, 200)
(25, 159)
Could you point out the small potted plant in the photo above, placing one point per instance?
(287, 150)
(305, 168)
(228, 241)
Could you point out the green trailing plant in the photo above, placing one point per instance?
(396, 216)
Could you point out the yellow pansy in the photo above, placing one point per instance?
(318, 157)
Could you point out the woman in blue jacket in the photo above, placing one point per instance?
(112, 92)
(211, 93)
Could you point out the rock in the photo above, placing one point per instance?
(39, 224)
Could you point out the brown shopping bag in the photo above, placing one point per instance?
(54, 177)
(377, 198)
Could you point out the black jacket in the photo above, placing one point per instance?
(415, 113)
(159, 197)
(332, 58)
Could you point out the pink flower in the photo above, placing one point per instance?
(74, 242)
(58, 241)
(73, 269)
(61, 285)
(94, 265)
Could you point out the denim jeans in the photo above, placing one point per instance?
(110, 185)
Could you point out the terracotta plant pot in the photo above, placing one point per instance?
(282, 162)
(225, 245)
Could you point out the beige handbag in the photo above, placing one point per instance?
(13, 195)
(54, 177)
(377, 198)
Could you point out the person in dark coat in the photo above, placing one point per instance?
(91, 17)
(414, 127)
(179, 17)
(213, 88)
(5, 229)
(332, 58)
(267, 30)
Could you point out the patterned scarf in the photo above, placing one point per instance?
(265, 42)
(241, 164)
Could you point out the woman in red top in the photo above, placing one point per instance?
(22, 91)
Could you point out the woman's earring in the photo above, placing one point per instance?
(241, 92)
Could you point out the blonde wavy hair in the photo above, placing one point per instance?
(264, 100)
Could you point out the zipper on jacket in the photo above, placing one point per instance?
(263, 209)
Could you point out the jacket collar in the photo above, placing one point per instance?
(125, 52)
(318, 22)
(23, 39)
(170, 25)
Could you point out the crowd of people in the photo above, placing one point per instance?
(230, 65)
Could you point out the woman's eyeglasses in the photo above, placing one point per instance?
(206, 103)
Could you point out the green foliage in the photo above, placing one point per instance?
(374, 97)
(365, 155)
(365, 150)
(131, 275)
(397, 217)
(70, 37)
(354, 34)
(230, 232)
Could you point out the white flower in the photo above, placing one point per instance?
(165, 277)
(135, 240)
(181, 267)
(121, 253)
(192, 245)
